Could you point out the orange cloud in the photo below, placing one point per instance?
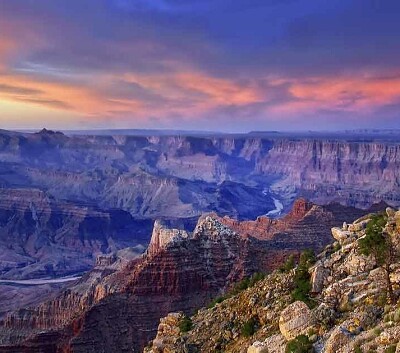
(64, 96)
(351, 92)
(193, 94)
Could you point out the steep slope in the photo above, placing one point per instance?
(116, 307)
(350, 311)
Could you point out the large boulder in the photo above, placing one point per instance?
(356, 263)
(339, 341)
(318, 276)
(358, 226)
(295, 320)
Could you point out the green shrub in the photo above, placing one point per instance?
(336, 247)
(238, 287)
(301, 344)
(302, 285)
(396, 316)
(391, 349)
(249, 327)
(381, 300)
(357, 349)
(377, 331)
(288, 265)
(186, 324)
(216, 301)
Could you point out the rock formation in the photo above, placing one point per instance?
(180, 271)
(349, 312)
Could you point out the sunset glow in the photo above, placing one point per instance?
(173, 64)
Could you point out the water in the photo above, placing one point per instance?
(278, 208)
(39, 281)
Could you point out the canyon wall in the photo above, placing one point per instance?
(185, 176)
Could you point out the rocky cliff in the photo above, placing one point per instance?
(347, 308)
(116, 306)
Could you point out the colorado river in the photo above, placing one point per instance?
(39, 281)
(278, 208)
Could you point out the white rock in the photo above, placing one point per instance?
(339, 234)
(258, 347)
(296, 319)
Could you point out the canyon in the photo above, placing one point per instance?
(155, 222)
(180, 176)
(117, 305)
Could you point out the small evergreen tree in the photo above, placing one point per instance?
(185, 325)
(302, 285)
(378, 244)
(250, 327)
(288, 265)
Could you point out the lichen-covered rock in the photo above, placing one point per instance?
(324, 315)
(295, 320)
(358, 226)
(389, 336)
(357, 263)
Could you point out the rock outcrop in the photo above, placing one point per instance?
(349, 312)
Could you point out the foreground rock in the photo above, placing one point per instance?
(295, 320)
(349, 313)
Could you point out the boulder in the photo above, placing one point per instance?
(339, 341)
(359, 226)
(318, 276)
(390, 212)
(276, 344)
(324, 314)
(258, 347)
(357, 263)
(295, 320)
(340, 235)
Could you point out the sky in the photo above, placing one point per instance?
(226, 65)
